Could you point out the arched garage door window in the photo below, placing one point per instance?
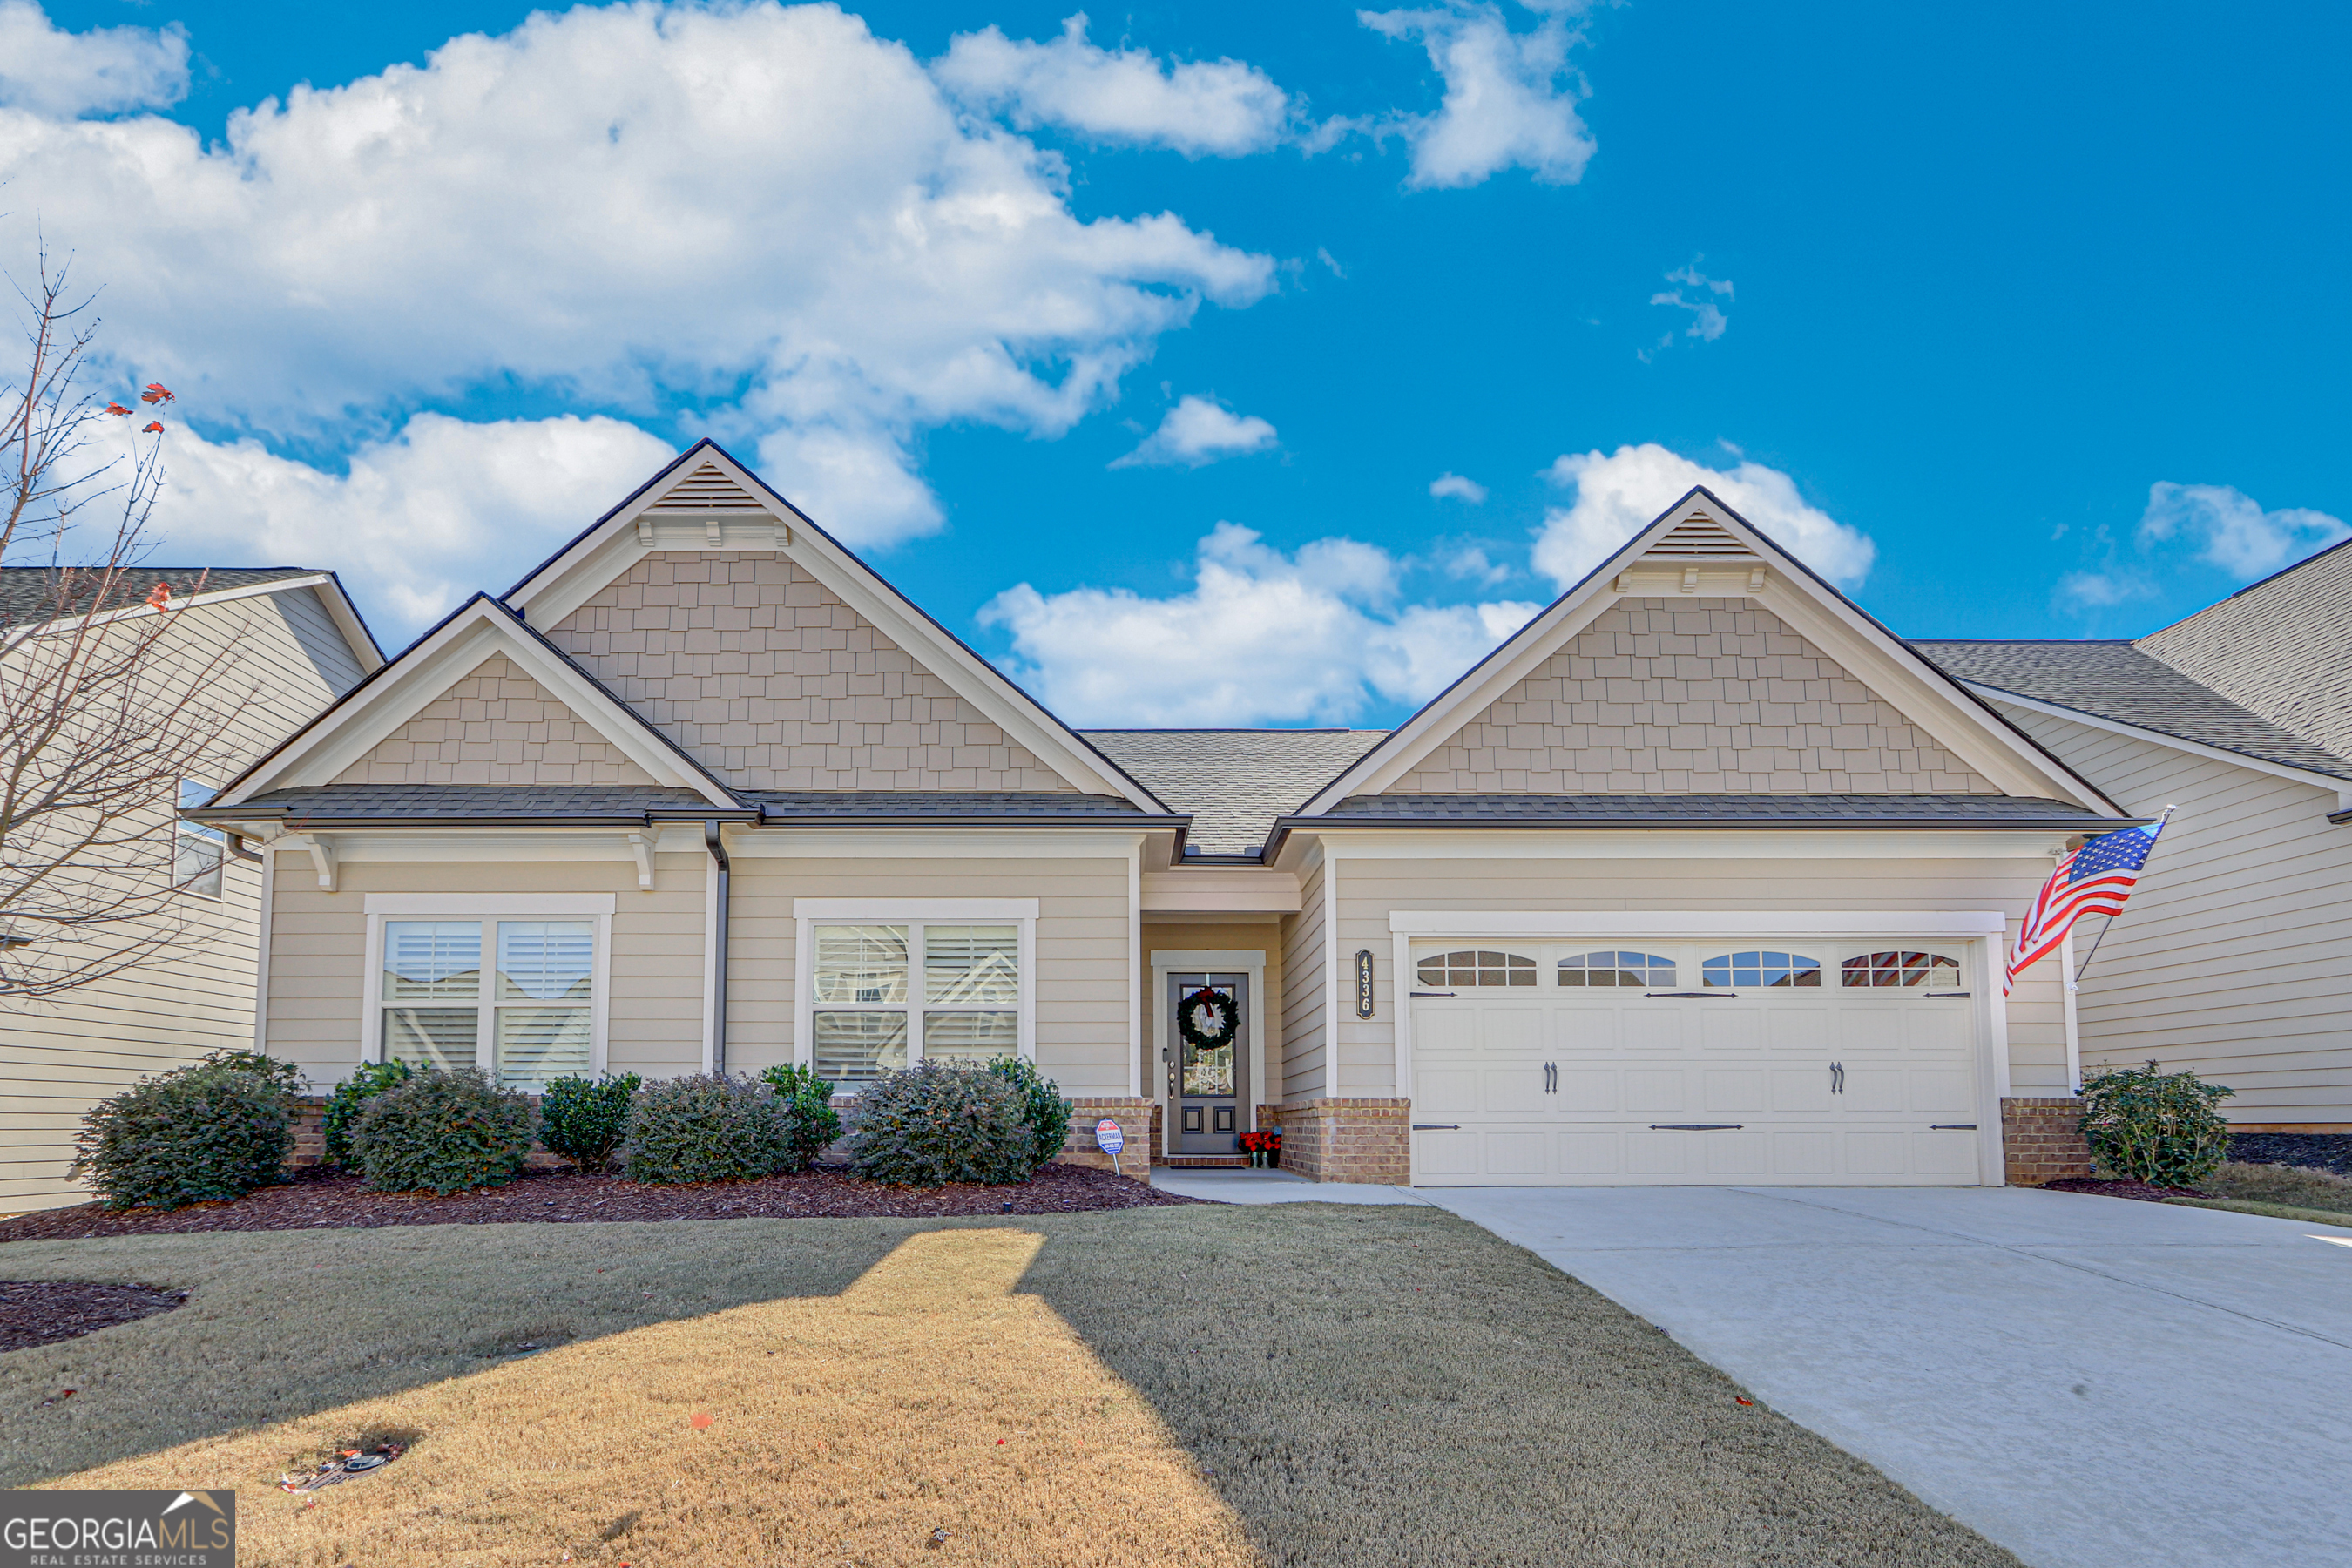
(1477, 968)
(1898, 968)
(1634, 969)
(1740, 971)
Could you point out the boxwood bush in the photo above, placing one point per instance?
(350, 1098)
(933, 1124)
(584, 1121)
(214, 1130)
(709, 1127)
(819, 1123)
(443, 1130)
(1048, 1113)
(2154, 1126)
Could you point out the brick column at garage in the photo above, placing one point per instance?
(1345, 1140)
(2041, 1140)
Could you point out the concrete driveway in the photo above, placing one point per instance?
(2091, 1383)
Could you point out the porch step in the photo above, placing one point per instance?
(1205, 1161)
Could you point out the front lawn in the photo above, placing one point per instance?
(1176, 1386)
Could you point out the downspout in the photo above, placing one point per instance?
(710, 841)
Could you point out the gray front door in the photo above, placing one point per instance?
(1208, 1089)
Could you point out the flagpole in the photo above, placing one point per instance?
(2104, 929)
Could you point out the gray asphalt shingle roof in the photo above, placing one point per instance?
(1030, 806)
(328, 803)
(28, 593)
(1234, 783)
(2119, 680)
(2282, 647)
(1856, 810)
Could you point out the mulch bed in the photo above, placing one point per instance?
(317, 1199)
(43, 1312)
(2314, 1150)
(2104, 1189)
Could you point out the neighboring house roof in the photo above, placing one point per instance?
(2281, 647)
(2120, 681)
(29, 593)
(1235, 783)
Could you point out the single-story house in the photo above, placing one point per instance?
(268, 648)
(1704, 876)
(2234, 956)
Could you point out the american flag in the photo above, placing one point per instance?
(2094, 880)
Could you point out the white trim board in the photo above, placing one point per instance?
(893, 911)
(463, 906)
(1953, 923)
(489, 907)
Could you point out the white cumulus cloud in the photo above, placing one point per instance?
(1510, 98)
(1198, 431)
(766, 212)
(46, 71)
(1707, 320)
(1620, 493)
(2229, 528)
(1458, 488)
(1218, 108)
(1261, 638)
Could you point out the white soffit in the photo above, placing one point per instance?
(706, 500)
(1702, 548)
(352, 728)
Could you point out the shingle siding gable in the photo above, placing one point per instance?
(495, 726)
(1691, 696)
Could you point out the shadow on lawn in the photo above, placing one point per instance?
(1357, 1386)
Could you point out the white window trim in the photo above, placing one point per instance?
(489, 907)
(809, 913)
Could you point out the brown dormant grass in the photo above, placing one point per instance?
(1302, 1384)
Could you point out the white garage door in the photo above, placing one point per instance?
(1741, 1061)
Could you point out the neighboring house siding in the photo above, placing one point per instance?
(63, 1056)
(320, 641)
(773, 682)
(1690, 696)
(2282, 647)
(495, 726)
(1302, 1032)
(318, 967)
(2234, 957)
(1083, 955)
(1371, 889)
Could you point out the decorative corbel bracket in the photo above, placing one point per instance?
(323, 858)
(641, 845)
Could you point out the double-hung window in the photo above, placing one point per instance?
(197, 852)
(517, 992)
(948, 981)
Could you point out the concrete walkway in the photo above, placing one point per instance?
(2091, 1383)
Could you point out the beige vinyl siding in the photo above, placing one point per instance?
(1690, 696)
(1084, 955)
(314, 629)
(1303, 998)
(1208, 934)
(495, 725)
(768, 679)
(318, 965)
(2233, 958)
(1370, 889)
(58, 1057)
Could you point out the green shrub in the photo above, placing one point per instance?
(931, 1125)
(2154, 1126)
(820, 1124)
(710, 1128)
(1048, 1113)
(350, 1097)
(444, 1130)
(584, 1122)
(213, 1130)
(2297, 1186)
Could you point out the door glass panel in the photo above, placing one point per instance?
(970, 1039)
(862, 963)
(854, 1048)
(1208, 1072)
(971, 964)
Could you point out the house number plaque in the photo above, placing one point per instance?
(1363, 983)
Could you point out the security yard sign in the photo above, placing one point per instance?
(1110, 1139)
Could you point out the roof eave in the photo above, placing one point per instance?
(1284, 827)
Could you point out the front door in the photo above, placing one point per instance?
(1208, 1063)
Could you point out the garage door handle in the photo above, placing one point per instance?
(1431, 993)
(1951, 1127)
(1948, 996)
(1695, 1126)
(1437, 1127)
(1712, 995)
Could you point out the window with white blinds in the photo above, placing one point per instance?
(886, 996)
(529, 1020)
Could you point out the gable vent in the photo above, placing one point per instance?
(1699, 537)
(707, 490)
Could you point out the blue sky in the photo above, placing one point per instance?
(1135, 357)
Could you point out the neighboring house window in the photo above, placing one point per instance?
(1900, 968)
(1732, 971)
(197, 853)
(1640, 969)
(869, 1016)
(1477, 968)
(532, 1019)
